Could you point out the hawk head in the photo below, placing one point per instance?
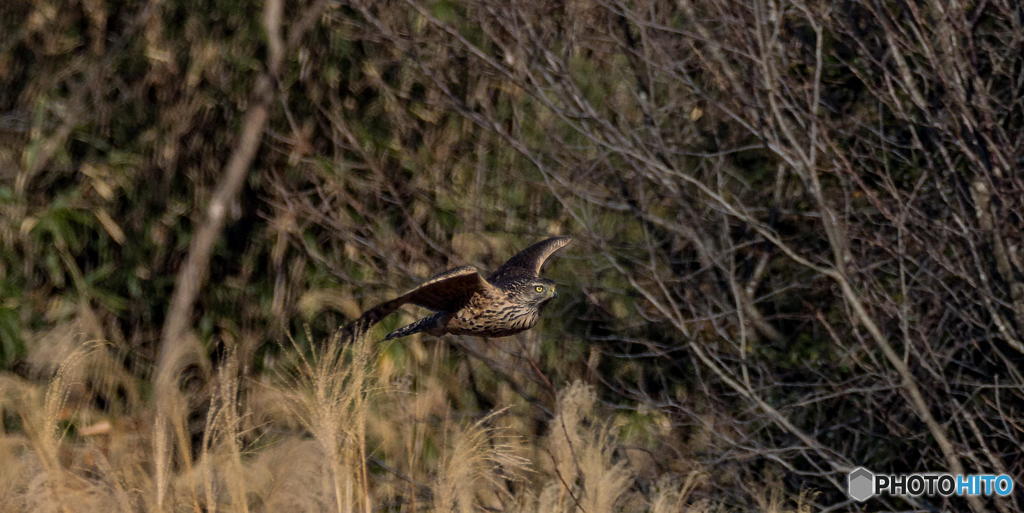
(534, 292)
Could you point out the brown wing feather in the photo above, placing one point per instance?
(446, 292)
(530, 260)
(450, 290)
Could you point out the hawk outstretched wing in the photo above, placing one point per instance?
(445, 292)
(530, 260)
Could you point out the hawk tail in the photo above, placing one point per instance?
(423, 324)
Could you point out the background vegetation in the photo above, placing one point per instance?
(800, 249)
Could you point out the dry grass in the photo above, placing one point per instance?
(332, 429)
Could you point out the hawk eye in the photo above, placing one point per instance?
(539, 288)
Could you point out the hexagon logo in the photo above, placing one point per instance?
(860, 484)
